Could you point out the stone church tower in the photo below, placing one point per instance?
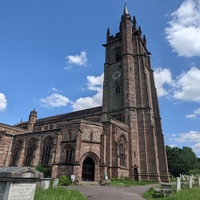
(129, 96)
(121, 138)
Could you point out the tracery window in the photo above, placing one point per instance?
(122, 142)
(69, 153)
(47, 146)
(31, 147)
(17, 147)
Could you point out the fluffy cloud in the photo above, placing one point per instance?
(196, 148)
(187, 86)
(183, 32)
(184, 87)
(194, 114)
(93, 84)
(80, 60)
(54, 100)
(191, 136)
(3, 102)
(163, 78)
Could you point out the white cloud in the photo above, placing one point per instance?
(191, 136)
(191, 116)
(162, 77)
(54, 100)
(187, 86)
(183, 32)
(196, 147)
(93, 84)
(3, 102)
(88, 102)
(80, 60)
(54, 89)
(194, 114)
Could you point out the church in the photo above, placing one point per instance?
(121, 138)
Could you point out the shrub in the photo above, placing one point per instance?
(64, 180)
(45, 170)
(194, 171)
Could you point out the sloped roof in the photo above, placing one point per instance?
(68, 116)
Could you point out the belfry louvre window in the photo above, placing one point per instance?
(47, 150)
(117, 89)
(32, 144)
(118, 56)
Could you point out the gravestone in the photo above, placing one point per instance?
(45, 182)
(190, 182)
(55, 183)
(18, 183)
(178, 184)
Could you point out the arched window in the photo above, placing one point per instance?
(122, 154)
(122, 142)
(30, 151)
(47, 146)
(117, 88)
(17, 147)
(69, 153)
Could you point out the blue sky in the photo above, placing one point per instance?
(51, 58)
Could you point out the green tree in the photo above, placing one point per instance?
(180, 161)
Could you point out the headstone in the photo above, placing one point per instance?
(183, 177)
(198, 181)
(45, 182)
(190, 182)
(178, 184)
(55, 183)
(18, 183)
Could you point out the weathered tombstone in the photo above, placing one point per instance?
(190, 182)
(183, 177)
(18, 183)
(55, 183)
(45, 182)
(198, 181)
(178, 184)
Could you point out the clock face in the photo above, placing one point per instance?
(116, 75)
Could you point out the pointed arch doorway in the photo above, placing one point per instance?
(88, 169)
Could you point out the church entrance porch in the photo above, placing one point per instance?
(88, 169)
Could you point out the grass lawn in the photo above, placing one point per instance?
(59, 193)
(127, 183)
(183, 194)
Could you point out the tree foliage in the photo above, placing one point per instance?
(181, 161)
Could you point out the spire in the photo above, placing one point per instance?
(134, 22)
(125, 9)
